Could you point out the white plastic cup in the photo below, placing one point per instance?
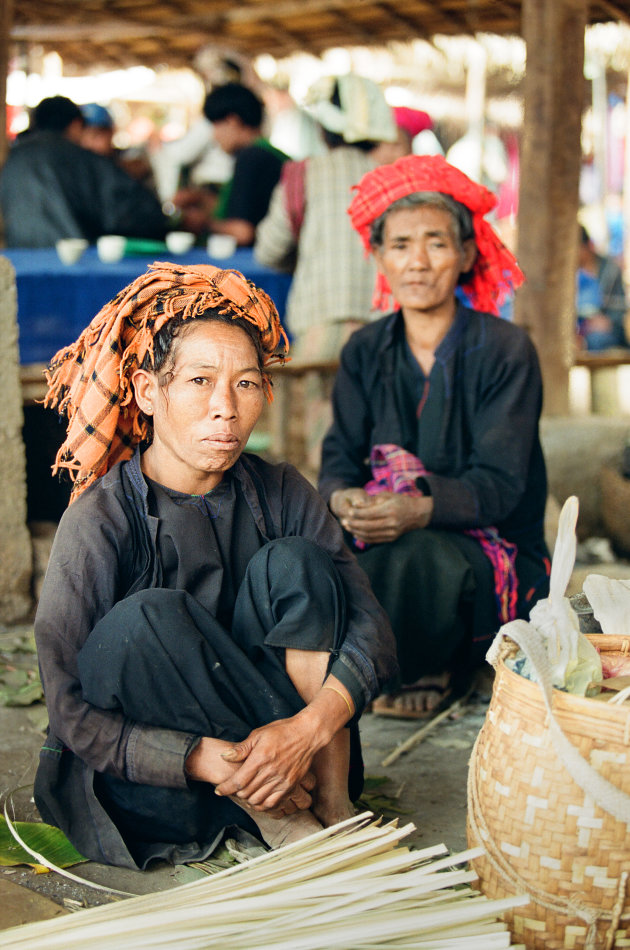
(71, 249)
(111, 247)
(179, 242)
(221, 245)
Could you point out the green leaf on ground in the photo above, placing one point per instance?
(371, 782)
(50, 842)
(375, 800)
(19, 687)
(17, 640)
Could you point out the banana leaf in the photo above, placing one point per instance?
(46, 840)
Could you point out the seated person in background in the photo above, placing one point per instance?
(98, 129)
(433, 463)
(204, 634)
(601, 299)
(51, 187)
(236, 114)
(98, 136)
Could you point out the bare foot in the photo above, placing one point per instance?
(416, 701)
(277, 832)
(332, 812)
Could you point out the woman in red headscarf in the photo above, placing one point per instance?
(203, 633)
(433, 463)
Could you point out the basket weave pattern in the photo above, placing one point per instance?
(542, 834)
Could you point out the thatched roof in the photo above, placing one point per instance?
(92, 34)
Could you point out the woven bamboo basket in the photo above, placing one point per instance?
(542, 834)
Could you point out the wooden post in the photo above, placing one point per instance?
(549, 188)
(15, 540)
(626, 191)
(6, 20)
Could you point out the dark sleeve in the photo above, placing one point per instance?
(367, 658)
(346, 446)
(52, 188)
(502, 432)
(256, 174)
(127, 206)
(82, 583)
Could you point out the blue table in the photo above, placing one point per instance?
(56, 301)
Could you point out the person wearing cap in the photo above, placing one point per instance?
(98, 136)
(98, 129)
(52, 188)
(409, 124)
(433, 463)
(204, 635)
(307, 231)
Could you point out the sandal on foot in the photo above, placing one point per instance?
(387, 705)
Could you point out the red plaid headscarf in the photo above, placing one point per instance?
(495, 272)
(90, 380)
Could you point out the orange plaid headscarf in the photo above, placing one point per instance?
(495, 272)
(90, 381)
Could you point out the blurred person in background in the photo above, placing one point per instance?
(600, 298)
(98, 136)
(307, 230)
(196, 160)
(236, 114)
(98, 129)
(51, 187)
(291, 128)
(409, 124)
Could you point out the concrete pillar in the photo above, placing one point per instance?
(549, 188)
(15, 541)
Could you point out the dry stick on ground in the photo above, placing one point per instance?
(418, 736)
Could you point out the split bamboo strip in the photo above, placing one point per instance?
(344, 887)
(43, 860)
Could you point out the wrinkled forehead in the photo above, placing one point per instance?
(456, 214)
(424, 218)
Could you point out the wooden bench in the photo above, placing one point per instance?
(284, 420)
(603, 369)
(33, 383)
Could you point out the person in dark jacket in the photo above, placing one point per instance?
(433, 463)
(52, 188)
(203, 633)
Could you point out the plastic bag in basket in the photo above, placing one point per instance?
(573, 663)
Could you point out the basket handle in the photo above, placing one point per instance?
(610, 798)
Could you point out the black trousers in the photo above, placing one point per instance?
(163, 660)
(437, 588)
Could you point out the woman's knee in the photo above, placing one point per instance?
(136, 628)
(294, 587)
(292, 553)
